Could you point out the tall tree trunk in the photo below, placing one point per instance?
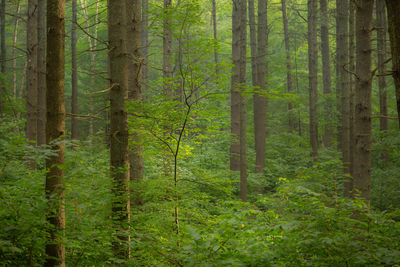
(362, 159)
(214, 23)
(381, 32)
(41, 75)
(349, 184)
(55, 130)
(3, 51)
(134, 43)
(118, 63)
(393, 9)
(292, 124)
(74, 74)
(313, 75)
(14, 48)
(260, 99)
(31, 72)
(167, 50)
(145, 43)
(326, 74)
(235, 87)
(343, 88)
(243, 100)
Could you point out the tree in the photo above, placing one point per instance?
(313, 75)
(55, 131)
(118, 63)
(135, 63)
(74, 74)
(362, 158)
(31, 72)
(289, 82)
(41, 74)
(326, 73)
(167, 50)
(3, 50)
(393, 9)
(214, 23)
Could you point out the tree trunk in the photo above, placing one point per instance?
(55, 131)
(167, 51)
(118, 63)
(393, 9)
(145, 43)
(74, 74)
(134, 43)
(260, 99)
(31, 73)
(326, 74)
(3, 51)
(381, 32)
(362, 159)
(313, 75)
(243, 100)
(214, 23)
(349, 184)
(292, 124)
(14, 48)
(41, 75)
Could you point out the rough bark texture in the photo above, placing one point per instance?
(55, 131)
(243, 101)
(74, 74)
(214, 23)
(393, 9)
(235, 89)
(145, 41)
(31, 72)
(135, 64)
(362, 159)
(118, 63)
(260, 99)
(313, 75)
(349, 184)
(326, 74)
(3, 50)
(343, 88)
(41, 67)
(381, 34)
(292, 124)
(167, 51)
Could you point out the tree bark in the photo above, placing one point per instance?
(41, 75)
(326, 74)
(381, 34)
(313, 75)
(135, 64)
(14, 48)
(259, 98)
(362, 159)
(145, 43)
(3, 51)
(118, 63)
(31, 73)
(74, 74)
(55, 131)
(292, 124)
(393, 9)
(167, 51)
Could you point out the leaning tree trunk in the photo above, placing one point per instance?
(362, 159)
(55, 131)
(393, 9)
(74, 74)
(313, 75)
(135, 66)
(119, 126)
(326, 74)
(41, 75)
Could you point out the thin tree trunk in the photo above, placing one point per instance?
(74, 74)
(134, 44)
(118, 63)
(31, 73)
(167, 51)
(313, 75)
(326, 74)
(145, 41)
(3, 51)
(55, 130)
(235, 88)
(243, 100)
(14, 49)
(41, 67)
(362, 159)
(292, 124)
(214, 23)
(349, 184)
(260, 99)
(393, 9)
